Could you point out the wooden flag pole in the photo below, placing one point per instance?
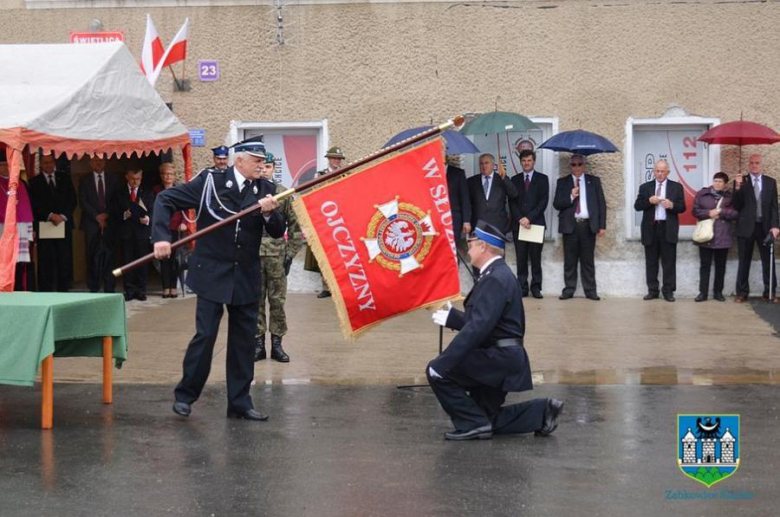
(457, 121)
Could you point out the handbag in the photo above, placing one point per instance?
(705, 229)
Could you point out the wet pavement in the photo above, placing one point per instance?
(372, 450)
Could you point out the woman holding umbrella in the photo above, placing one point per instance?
(169, 268)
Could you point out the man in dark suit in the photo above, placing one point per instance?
(95, 191)
(487, 358)
(660, 201)
(53, 200)
(533, 194)
(489, 193)
(131, 213)
(460, 204)
(582, 217)
(224, 270)
(755, 196)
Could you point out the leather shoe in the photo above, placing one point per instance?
(182, 408)
(551, 412)
(702, 297)
(719, 297)
(537, 295)
(324, 294)
(565, 296)
(140, 297)
(593, 296)
(650, 296)
(740, 299)
(480, 433)
(669, 297)
(249, 414)
(260, 348)
(128, 297)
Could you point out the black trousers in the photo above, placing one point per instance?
(100, 261)
(55, 264)
(579, 247)
(706, 257)
(471, 404)
(662, 252)
(135, 280)
(525, 251)
(240, 365)
(24, 277)
(745, 248)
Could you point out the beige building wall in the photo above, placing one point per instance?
(373, 69)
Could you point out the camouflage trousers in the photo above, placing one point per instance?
(273, 287)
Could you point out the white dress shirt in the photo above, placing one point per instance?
(660, 211)
(490, 183)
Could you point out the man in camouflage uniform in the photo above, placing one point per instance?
(277, 256)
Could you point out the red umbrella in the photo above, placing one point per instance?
(740, 133)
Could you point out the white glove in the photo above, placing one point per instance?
(440, 317)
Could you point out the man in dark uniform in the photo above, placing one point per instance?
(220, 157)
(223, 270)
(487, 359)
(53, 200)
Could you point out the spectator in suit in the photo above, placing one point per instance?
(582, 217)
(131, 211)
(54, 199)
(489, 193)
(714, 202)
(755, 197)
(660, 200)
(169, 268)
(533, 195)
(95, 190)
(460, 203)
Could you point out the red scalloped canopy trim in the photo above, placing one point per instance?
(20, 137)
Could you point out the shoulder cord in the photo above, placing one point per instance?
(208, 188)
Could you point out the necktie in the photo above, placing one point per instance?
(101, 195)
(757, 193)
(577, 210)
(658, 191)
(50, 179)
(486, 186)
(527, 181)
(132, 194)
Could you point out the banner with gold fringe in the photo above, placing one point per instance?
(382, 235)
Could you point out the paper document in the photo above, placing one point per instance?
(47, 230)
(533, 234)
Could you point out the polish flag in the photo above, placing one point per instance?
(177, 51)
(153, 49)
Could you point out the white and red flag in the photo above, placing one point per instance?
(159, 59)
(153, 50)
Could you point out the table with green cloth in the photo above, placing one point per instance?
(36, 326)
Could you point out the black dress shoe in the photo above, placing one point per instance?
(249, 414)
(565, 296)
(260, 348)
(324, 294)
(128, 297)
(701, 298)
(593, 296)
(537, 295)
(551, 412)
(277, 352)
(525, 294)
(480, 433)
(669, 297)
(650, 296)
(182, 408)
(719, 297)
(140, 297)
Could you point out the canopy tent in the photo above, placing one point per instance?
(77, 100)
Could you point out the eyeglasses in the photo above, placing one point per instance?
(576, 164)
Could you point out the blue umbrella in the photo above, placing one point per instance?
(456, 143)
(579, 142)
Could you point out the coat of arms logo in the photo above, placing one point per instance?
(399, 236)
(708, 447)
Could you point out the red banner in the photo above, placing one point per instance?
(382, 235)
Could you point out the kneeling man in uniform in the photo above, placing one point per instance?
(487, 359)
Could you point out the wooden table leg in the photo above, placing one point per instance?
(108, 349)
(47, 404)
